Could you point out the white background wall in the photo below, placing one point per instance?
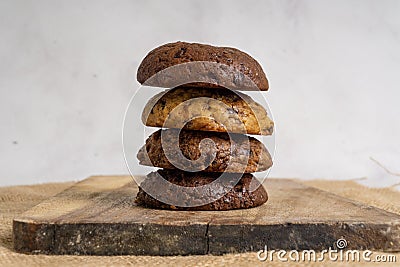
(68, 68)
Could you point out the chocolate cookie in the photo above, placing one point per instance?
(246, 154)
(219, 66)
(237, 197)
(207, 109)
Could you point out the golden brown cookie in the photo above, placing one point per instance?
(206, 109)
(228, 67)
(238, 197)
(245, 154)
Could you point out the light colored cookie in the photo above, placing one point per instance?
(205, 109)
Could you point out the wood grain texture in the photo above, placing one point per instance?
(98, 217)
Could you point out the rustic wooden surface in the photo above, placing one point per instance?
(98, 217)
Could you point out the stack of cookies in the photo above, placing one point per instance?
(204, 131)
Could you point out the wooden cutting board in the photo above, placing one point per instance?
(97, 216)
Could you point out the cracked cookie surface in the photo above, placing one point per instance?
(240, 152)
(238, 197)
(235, 68)
(205, 109)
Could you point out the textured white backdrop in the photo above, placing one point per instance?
(67, 71)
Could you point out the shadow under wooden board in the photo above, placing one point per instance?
(97, 216)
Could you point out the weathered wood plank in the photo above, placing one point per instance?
(98, 217)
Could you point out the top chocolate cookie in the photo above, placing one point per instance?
(201, 65)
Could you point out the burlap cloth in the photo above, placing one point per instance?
(17, 199)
